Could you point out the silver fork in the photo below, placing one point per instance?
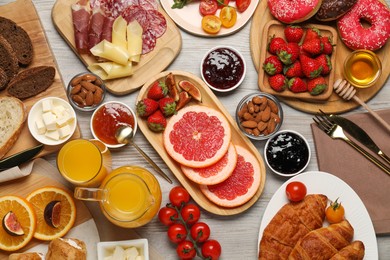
(336, 132)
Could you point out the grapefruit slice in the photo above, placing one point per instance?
(197, 136)
(216, 173)
(241, 186)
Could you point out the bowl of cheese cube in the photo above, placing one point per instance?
(126, 249)
(52, 121)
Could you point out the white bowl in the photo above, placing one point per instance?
(106, 249)
(238, 54)
(285, 155)
(37, 111)
(96, 111)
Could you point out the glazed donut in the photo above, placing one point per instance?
(293, 11)
(333, 9)
(355, 35)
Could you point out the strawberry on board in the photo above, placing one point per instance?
(157, 122)
(167, 106)
(272, 65)
(157, 91)
(289, 53)
(275, 44)
(146, 107)
(293, 70)
(313, 46)
(278, 82)
(293, 33)
(327, 44)
(316, 86)
(311, 68)
(325, 62)
(297, 85)
(312, 33)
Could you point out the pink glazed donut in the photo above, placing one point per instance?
(355, 35)
(293, 11)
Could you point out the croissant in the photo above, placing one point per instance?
(293, 221)
(353, 251)
(324, 242)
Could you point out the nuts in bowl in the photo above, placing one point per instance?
(259, 115)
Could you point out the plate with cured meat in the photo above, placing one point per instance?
(189, 17)
(158, 35)
(333, 188)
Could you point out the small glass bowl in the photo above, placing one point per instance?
(241, 116)
(71, 89)
(290, 154)
(362, 68)
(212, 55)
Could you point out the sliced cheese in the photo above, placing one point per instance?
(110, 51)
(134, 40)
(111, 70)
(119, 32)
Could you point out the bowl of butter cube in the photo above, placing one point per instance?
(125, 249)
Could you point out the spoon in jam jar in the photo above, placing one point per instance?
(124, 135)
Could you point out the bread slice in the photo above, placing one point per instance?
(12, 117)
(3, 79)
(31, 81)
(19, 40)
(8, 59)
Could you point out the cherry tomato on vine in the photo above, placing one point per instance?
(211, 24)
(335, 212)
(179, 195)
(228, 16)
(211, 249)
(190, 214)
(296, 191)
(200, 232)
(222, 3)
(208, 7)
(177, 233)
(242, 5)
(186, 250)
(167, 216)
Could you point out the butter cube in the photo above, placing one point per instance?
(54, 135)
(40, 126)
(64, 131)
(131, 253)
(49, 119)
(47, 105)
(58, 110)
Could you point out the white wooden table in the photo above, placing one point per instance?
(238, 234)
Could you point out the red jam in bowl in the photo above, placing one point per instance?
(108, 118)
(223, 68)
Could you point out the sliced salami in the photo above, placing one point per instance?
(148, 41)
(136, 12)
(148, 4)
(112, 8)
(157, 21)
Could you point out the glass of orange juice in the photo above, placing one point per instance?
(84, 162)
(129, 196)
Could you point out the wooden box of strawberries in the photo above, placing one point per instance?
(298, 62)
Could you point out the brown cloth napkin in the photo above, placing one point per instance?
(369, 182)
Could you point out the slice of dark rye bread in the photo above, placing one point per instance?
(8, 59)
(3, 79)
(19, 40)
(31, 81)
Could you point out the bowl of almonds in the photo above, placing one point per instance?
(86, 91)
(259, 115)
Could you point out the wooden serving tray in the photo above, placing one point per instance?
(334, 104)
(275, 28)
(43, 55)
(210, 100)
(167, 48)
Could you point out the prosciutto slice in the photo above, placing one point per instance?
(81, 16)
(96, 27)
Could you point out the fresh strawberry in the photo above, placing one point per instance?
(313, 46)
(325, 62)
(278, 82)
(293, 70)
(158, 90)
(316, 86)
(275, 44)
(272, 65)
(297, 85)
(310, 67)
(328, 46)
(167, 106)
(157, 122)
(289, 53)
(293, 33)
(146, 107)
(312, 33)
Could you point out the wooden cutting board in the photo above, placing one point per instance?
(334, 104)
(167, 48)
(43, 55)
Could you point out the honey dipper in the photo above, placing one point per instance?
(347, 91)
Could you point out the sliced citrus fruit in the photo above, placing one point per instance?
(49, 225)
(241, 186)
(215, 173)
(16, 212)
(197, 136)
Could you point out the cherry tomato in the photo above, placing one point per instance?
(211, 249)
(179, 195)
(222, 3)
(177, 233)
(208, 7)
(296, 191)
(335, 212)
(186, 250)
(242, 5)
(211, 24)
(200, 232)
(190, 214)
(228, 16)
(167, 216)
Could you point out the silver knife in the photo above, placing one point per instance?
(359, 134)
(19, 158)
